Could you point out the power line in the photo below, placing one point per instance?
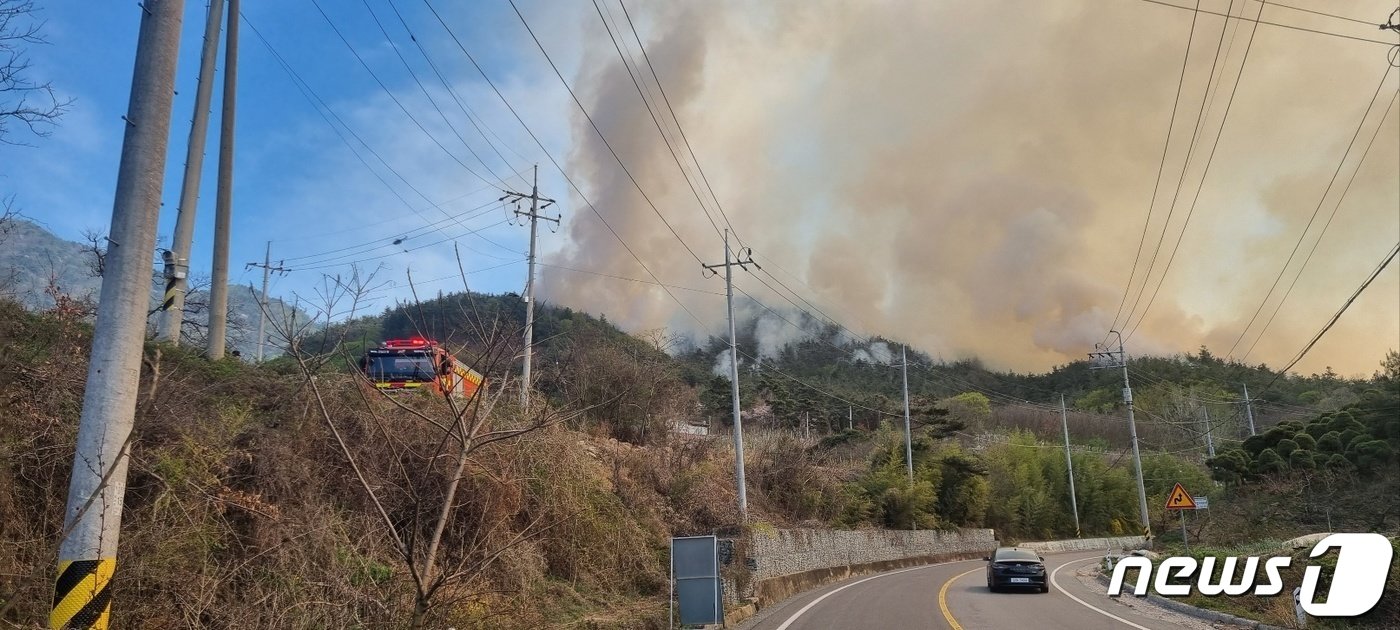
(1257, 20)
(322, 109)
(1201, 116)
(317, 265)
(467, 111)
(1322, 13)
(361, 227)
(1156, 380)
(419, 283)
(1161, 167)
(797, 295)
(685, 139)
(1003, 398)
(638, 86)
(680, 128)
(1340, 163)
(799, 308)
(394, 98)
(574, 186)
(669, 146)
(1205, 172)
(822, 391)
(602, 137)
(432, 101)
(639, 83)
(780, 316)
(1301, 353)
(397, 238)
(696, 161)
(1344, 191)
(639, 280)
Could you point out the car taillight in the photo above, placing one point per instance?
(999, 566)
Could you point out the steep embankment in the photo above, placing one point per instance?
(242, 511)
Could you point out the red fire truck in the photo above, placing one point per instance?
(416, 363)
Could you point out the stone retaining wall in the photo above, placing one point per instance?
(1120, 543)
(788, 551)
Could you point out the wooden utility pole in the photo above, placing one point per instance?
(87, 555)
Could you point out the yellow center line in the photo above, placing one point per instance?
(943, 599)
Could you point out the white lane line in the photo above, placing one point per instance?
(804, 609)
(1083, 603)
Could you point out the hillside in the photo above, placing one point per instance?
(822, 373)
(35, 265)
(292, 487)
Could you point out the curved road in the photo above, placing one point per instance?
(954, 596)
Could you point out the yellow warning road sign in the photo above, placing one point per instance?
(1180, 499)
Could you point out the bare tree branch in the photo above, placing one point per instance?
(34, 104)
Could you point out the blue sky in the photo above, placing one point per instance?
(297, 183)
(907, 167)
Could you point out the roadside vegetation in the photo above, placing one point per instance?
(1278, 610)
(1335, 471)
(288, 495)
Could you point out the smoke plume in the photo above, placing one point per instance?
(974, 177)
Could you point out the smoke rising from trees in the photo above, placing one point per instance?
(974, 177)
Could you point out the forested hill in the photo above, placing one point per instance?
(804, 368)
(838, 373)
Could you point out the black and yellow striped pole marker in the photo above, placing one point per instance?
(87, 553)
(172, 289)
(82, 596)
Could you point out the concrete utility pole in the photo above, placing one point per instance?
(1119, 359)
(267, 268)
(850, 417)
(908, 446)
(1248, 407)
(734, 367)
(178, 257)
(223, 202)
(87, 555)
(1069, 463)
(1210, 438)
(535, 216)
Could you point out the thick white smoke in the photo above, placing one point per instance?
(979, 189)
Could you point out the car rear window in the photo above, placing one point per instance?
(1012, 555)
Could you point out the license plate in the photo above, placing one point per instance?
(1020, 580)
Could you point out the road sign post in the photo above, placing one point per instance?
(1184, 544)
(1181, 500)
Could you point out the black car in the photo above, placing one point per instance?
(1009, 567)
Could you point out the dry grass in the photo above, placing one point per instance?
(241, 512)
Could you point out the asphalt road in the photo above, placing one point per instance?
(955, 596)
